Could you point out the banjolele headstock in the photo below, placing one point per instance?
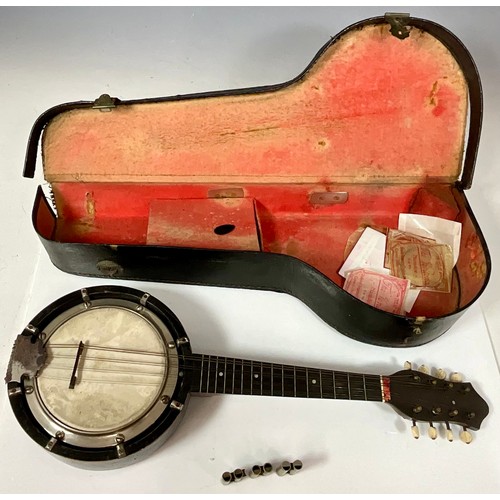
(425, 398)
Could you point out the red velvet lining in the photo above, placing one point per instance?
(285, 222)
(373, 108)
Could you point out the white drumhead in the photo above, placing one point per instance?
(120, 373)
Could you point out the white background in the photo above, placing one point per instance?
(50, 56)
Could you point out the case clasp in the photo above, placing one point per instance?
(105, 103)
(398, 22)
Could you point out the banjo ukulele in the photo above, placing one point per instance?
(101, 377)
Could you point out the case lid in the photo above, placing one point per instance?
(372, 107)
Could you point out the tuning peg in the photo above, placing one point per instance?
(423, 369)
(432, 431)
(465, 436)
(414, 430)
(407, 365)
(440, 374)
(455, 377)
(449, 433)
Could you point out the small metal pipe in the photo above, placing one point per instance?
(227, 478)
(284, 468)
(256, 471)
(238, 474)
(233, 477)
(296, 467)
(267, 468)
(261, 470)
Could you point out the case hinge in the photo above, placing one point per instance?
(398, 22)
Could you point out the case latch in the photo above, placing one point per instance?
(104, 103)
(398, 22)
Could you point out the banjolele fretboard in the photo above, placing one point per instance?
(217, 374)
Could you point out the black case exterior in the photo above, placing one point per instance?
(263, 270)
(244, 269)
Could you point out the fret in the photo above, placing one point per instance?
(234, 373)
(326, 379)
(341, 386)
(229, 375)
(201, 373)
(364, 387)
(277, 371)
(301, 382)
(208, 371)
(251, 377)
(257, 379)
(246, 378)
(314, 383)
(357, 387)
(225, 373)
(212, 374)
(373, 389)
(288, 381)
(216, 377)
(267, 379)
(238, 377)
(219, 376)
(241, 365)
(193, 368)
(272, 379)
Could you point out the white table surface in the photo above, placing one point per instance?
(51, 56)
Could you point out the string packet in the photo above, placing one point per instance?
(379, 290)
(444, 231)
(396, 237)
(426, 266)
(368, 252)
